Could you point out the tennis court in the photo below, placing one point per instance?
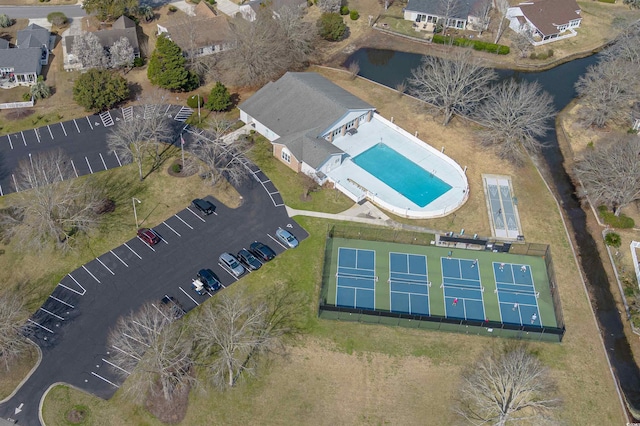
(463, 296)
(356, 278)
(409, 283)
(517, 294)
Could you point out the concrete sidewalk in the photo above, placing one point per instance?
(227, 7)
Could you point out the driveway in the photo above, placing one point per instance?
(72, 325)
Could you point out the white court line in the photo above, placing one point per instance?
(186, 294)
(114, 153)
(10, 143)
(50, 132)
(127, 246)
(174, 231)
(89, 272)
(145, 243)
(89, 121)
(62, 301)
(37, 135)
(74, 168)
(63, 129)
(75, 291)
(76, 123)
(98, 259)
(118, 257)
(103, 163)
(282, 245)
(102, 378)
(14, 182)
(196, 215)
(90, 169)
(125, 352)
(41, 326)
(179, 218)
(23, 139)
(115, 366)
(52, 314)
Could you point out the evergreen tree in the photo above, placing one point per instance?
(98, 90)
(167, 67)
(219, 98)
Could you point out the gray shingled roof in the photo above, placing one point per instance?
(121, 28)
(22, 60)
(434, 7)
(300, 101)
(33, 36)
(306, 147)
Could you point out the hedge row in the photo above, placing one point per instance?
(475, 44)
(620, 222)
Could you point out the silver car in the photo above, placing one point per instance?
(230, 262)
(287, 238)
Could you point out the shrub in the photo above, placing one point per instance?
(331, 26)
(354, 15)
(26, 96)
(219, 98)
(533, 55)
(620, 222)
(172, 8)
(344, 10)
(550, 53)
(192, 101)
(612, 239)
(607, 1)
(503, 50)
(138, 62)
(57, 18)
(440, 39)
(176, 168)
(98, 90)
(5, 21)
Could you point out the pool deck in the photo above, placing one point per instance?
(358, 183)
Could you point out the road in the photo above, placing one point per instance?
(72, 325)
(37, 12)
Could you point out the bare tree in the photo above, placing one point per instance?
(121, 54)
(455, 86)
(626, 46)
(483, 11)
(507, 385)
(514, 116)
(152, 351)
(610, 172)
(354, 69)
(89, 51)
(521, 41)
(502, 6)
(607, 91)
(448, 9)
(330, 6)
(12, 326)
(52, 206)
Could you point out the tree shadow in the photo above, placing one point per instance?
(135, 90)
(235, 100)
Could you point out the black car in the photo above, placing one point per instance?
(209, 279)
(205, 207)
(176, 308)
(262, 251)
(249, 260)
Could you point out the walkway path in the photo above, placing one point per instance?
(227, 7)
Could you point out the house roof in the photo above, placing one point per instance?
(306, 147)
(546, 15)
(121, 28)
(33, 36)
(23, 60)
(205, 29)
(434, 7)
(122, 23)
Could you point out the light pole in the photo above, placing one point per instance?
(135, 213)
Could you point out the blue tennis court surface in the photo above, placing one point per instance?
(517, 294)
(462, 289)
(409, 283)
(356, 278)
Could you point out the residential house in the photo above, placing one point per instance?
(462, 15)
(250, 9)
(122, 27)
(545, 21)
(21, 65)
(300, 114)
(203, 34)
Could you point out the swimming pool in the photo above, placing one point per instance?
(401, 174)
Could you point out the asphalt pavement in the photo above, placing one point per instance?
(39, 12)
(72, 326)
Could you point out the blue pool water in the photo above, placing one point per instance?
(402, 174)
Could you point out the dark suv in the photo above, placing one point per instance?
(249, 260)
(177, 311)
(262, 251)
(209, 279)
(205, 207)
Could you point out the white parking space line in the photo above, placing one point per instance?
(127, 246)
(136, 340)
(15, 183)
(89, 272)
(105, 266)
(10, 143)
(118, 257)
(89, 121)
(59, 171)
(125, 352)
(102, 378)
(189, 296)
(196, 215)
(24, 141)
(161, 313)
(179, 218)
(90, 169)
(41, 326)
(115, 366)
(70, 289)
(74, 168)
(114, 153)
(228, 271)
(52, 314)
(63, 129)
(76, 123)
(37, 134)
(1, 192)
(50, 132)
(163, 240)
(103, 163)
(62, 301)
(145, 243)
(165, 223)
(281, 245)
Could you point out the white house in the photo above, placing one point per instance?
(463, 15)
(545, 20)
(21, 65)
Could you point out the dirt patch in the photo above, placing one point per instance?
(175, 169)
(171, 412)
(77, 415)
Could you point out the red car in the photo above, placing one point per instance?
(148, 236)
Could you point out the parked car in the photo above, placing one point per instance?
(175, 306)
(262, 251)
(209, 279)
(148, 236)
(287, 238)
(249, 260)
(228, 260)
(203, 206)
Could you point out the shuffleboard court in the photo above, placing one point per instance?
(408, 283)
(502, 207)
(462, 289)
(517, 294)
(356, 278)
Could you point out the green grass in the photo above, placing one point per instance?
(292, 185)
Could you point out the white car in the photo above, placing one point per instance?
(230, 262)
(287, 238)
